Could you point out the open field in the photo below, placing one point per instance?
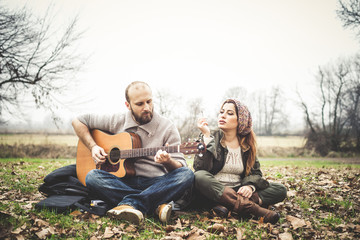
(72, 140)
(64, 146)
(315, 190)
(279, 141)
(43, 139)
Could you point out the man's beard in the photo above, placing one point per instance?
(144, 118)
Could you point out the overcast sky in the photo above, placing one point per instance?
(200, 48)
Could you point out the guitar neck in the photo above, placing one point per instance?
(141, 152)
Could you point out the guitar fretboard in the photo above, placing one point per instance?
(141, 152)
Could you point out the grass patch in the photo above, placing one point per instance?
(332, 220)
(317, 186)
(306, 162)
(299, 162)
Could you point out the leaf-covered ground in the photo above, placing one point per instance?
(322, 203)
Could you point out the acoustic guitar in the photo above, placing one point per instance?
(122, 148)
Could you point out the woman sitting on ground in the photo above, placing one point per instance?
(228, 173)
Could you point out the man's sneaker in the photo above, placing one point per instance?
(164, 212)
(126, 212)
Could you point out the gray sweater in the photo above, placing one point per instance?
(156, 133)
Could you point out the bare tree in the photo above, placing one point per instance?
(259, 128)
(336, 127)
(236, 92)
(307, 113)
(35, 59)
(166, 103)
(265, 107)
(352, 105)
(268, 112)
(188, 128)
(349, 13)
(334, 123)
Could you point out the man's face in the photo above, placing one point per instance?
(141, 105)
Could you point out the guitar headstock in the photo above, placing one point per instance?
(192, 147)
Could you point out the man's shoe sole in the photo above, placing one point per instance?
(131, 215)
(165, 214)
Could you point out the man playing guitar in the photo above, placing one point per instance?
(157, 180)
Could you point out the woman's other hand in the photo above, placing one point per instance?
(245, 191)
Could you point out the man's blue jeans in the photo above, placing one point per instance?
(144, 194)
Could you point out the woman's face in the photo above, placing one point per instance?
(227, 119)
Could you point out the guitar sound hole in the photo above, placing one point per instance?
(114, 155)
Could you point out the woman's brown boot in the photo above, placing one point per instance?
(242, 205)
(220, 211)
(255, 198)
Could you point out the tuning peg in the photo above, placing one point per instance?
(201, 147)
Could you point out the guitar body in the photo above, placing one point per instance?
(112, 144)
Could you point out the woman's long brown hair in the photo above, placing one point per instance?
(245, 142)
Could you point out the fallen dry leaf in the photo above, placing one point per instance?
(169, 228)
(27, 206)
(296, 222)
(51, 230)
(218, 228)
(239, 233)
(43, 234)
(108, 233)
(76, 213)
(172, 238)
(20, 237)
(19, 229)
(285, 236)
(131, 228)
(40, 223)
(291, 193)
(196, 234)
(178, 224)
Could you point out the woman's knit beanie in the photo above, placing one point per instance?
(244, 117)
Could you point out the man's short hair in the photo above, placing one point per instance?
(133, 84)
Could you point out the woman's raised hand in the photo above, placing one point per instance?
(203, 125)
